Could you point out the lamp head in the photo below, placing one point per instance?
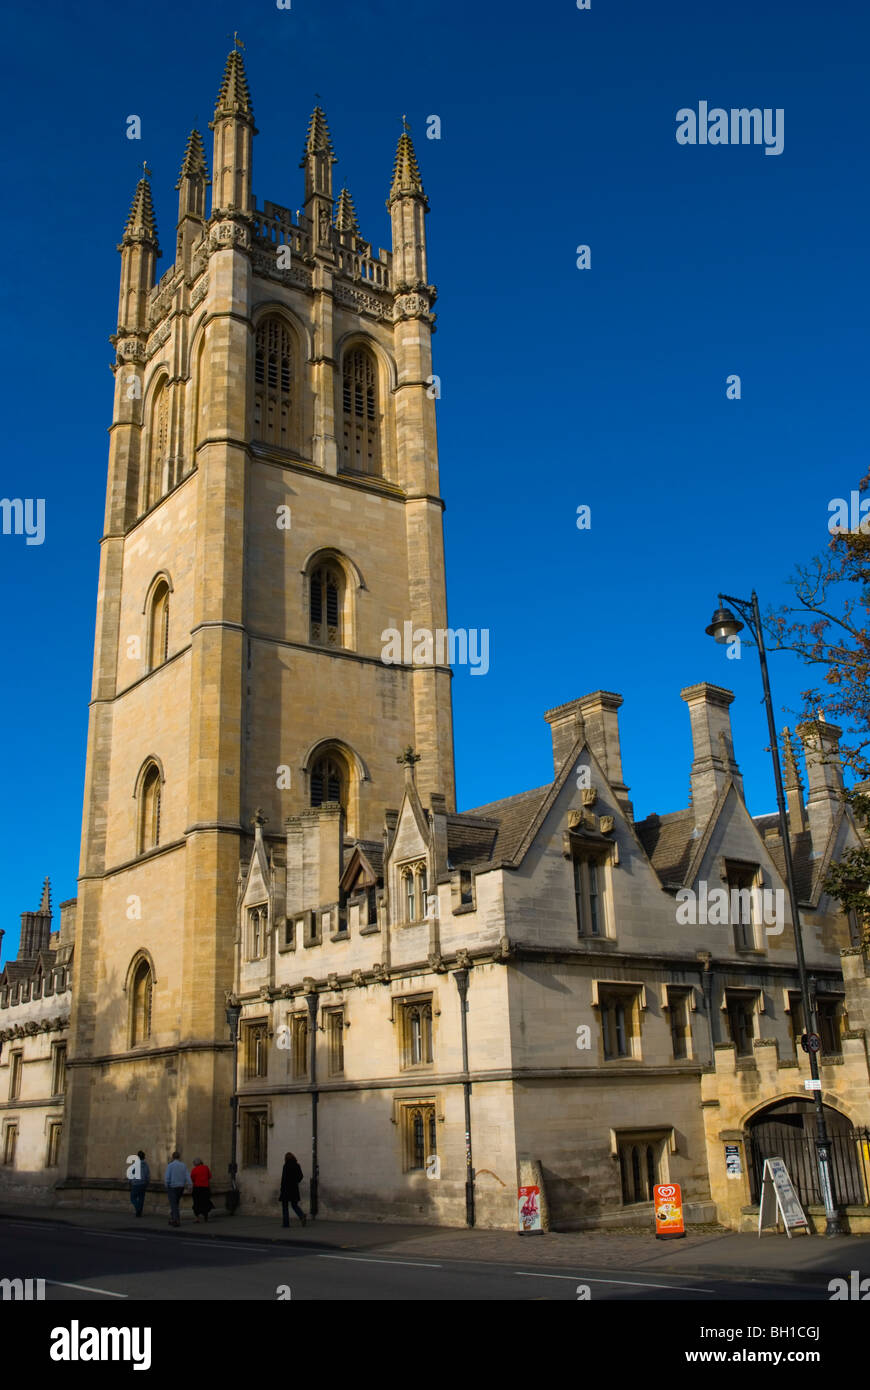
(724, 625)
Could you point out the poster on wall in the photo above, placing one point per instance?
(733, 1165)
(529, 1201)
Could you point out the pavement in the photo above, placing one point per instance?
(807, 1260)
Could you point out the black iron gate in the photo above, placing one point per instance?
(850, 1160)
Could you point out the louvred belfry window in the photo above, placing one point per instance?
(325, 606)
(327, 782)
(273, 384)
(361, 439)
(159, 446)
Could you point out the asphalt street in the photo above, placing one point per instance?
(93, 1265)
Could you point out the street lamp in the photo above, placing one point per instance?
(234, 1013)
(723, 628)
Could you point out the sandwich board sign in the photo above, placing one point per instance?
(778, 1196)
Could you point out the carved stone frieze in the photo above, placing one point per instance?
(157, 339)
(199, 291)
(363, 303)
(227, 233)
(130, 350)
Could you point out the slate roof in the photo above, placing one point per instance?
(513, 815)
(669, 842)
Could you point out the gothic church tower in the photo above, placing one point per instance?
(272, 507)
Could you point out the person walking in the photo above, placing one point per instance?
(176, 1179)
(139, 1186)
(200, 1176)
(291, 1177)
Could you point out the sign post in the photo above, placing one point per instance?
(778, 1196)
(668, 1204)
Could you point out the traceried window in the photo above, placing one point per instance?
(158, 634)
(414, 886)
(639, 1168)
(158, 451)
(335, 1038)
(620, 1021)
(416, 1032)
(328, 782)
(257, 922)
(58, 1069)
(588, 897)
(255, 1129)
(274, 384)
(149, 809)
(419, 1135)
(740, 1011)
(255, 1049)
(140, 1004)
(361, 424)
(325, 598)
(299, 1045)
(55, 1132)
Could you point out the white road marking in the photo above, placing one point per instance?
(52, 1226)
(88, 1288)
(362, 1259)
(635, 1283)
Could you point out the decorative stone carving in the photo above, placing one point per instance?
(588, 796)
(223, 234)
(199, 291)
(130, 350)
(357, 977)
(363, 303)
(157, 339)
(605, 824)
(413, 306)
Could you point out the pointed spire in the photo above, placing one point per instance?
(406, 173)
(45, 905)
(792, 772)
(345, 216)
(318, 140)
(141, 224)
(193, 166)
(234, 99)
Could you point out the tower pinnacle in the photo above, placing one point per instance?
(234, 99)
(406, 173)
(141, 224)
(345, 216)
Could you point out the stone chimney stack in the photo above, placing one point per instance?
(596, 718)
(36, 928)
(713, 747)
(821, 742)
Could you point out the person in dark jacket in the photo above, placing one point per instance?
(139, 1185)
(291, 1177)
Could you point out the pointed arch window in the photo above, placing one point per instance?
(140, 1004)
(361, 417)
(274, 384)
(325, 602)
(158, 633)
(158, 445)
(149, 809)
(328, 781)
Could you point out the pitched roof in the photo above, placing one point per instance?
(513, 816)
(669, 842)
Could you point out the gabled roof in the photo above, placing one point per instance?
(669, 842)
(512, 818)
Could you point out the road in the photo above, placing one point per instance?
(88, 1264)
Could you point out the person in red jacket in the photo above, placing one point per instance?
(200, 1176)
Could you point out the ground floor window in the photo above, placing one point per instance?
(10, 1143)
(640, 1162)
(55, 1132)
(254, 1128)
(419, 1137)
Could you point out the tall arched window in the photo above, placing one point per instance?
(274, 384)
(149, 809)
(328, 781)
(158, 450)
(140, 1004)
(361, 420)
(158, 632)
(325, 602)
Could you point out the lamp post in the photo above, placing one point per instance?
(723, 628)
(461, 978)
(234, 1013)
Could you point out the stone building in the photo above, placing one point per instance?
(35, 992)
(433, 1003)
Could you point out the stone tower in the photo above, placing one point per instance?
(272, 507)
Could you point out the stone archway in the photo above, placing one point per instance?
(787, 1129)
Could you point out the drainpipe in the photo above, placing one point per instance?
(311, 1000)
(461, 978)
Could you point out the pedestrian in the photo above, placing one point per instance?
(200, 1176)
(139, 1185)
(291, 1177)
(176, 1179)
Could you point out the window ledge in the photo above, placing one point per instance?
(339, 936)
(370, 930)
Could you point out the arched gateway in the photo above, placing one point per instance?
(788, 1130)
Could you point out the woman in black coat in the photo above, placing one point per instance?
(291, 1177)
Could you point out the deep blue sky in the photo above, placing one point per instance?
(560, 387)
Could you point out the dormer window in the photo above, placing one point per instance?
(414, 881)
